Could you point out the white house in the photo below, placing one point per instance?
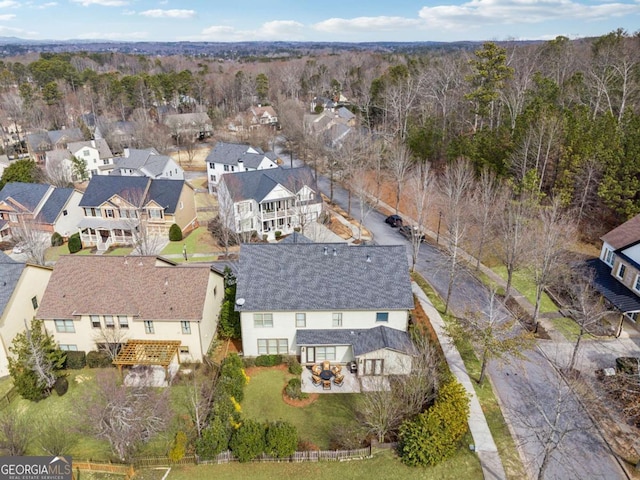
(327, 301)
(235, 157)
(147, 163)
(105, 299)
(96, 155)
(268, 201)
(617, 271)
(22, 286)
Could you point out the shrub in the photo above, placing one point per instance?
(229, 324)
(294, 389)
(433, 435)
(178, 447)
(232, 378)
(294, 366)
(56, 239)
(277, 234)
(175, 233)
(98, 359)
(75, 244)
(268, 360)
(318, 109)
(75, 360)
(214, 439)
(248, 441)
(249, 362)
(281, 439)
(61, 386)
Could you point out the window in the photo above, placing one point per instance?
(13, 217)
(608, 257)
(184, 350)
(68, 348)
(621, 270)
(95, 321)
(65, 326)
(272, 346)
(64, 213)
(301, 320)
(263, 319)
(337, 320)
(226, 168)
(212, 166)
(34, 302)
(123, 321)
(148, 326)
(155, 213)
(382, 317)
(213, 178)
(86, 153)
(108, 321)
(325, 353)
(186, 327)
(636, 285)
(109, 213)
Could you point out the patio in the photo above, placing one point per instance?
(351, 384)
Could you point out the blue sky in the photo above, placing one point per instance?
(305, 20)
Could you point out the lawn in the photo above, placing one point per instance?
(198, 241)
(569, 329)
(523, 282)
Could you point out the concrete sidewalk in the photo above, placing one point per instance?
(485, 447)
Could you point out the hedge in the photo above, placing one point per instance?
(98, 359)
(175, 233)
(75, 244)
(268, 360)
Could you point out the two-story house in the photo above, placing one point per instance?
(327, 301)
(92, 300)
(617, 271)
(268, 201)
(120, 210)
(236, 157)
(195, 126)
(95, 154)
(147, 163)
(22, 286)
(38, 144)
(40, 207)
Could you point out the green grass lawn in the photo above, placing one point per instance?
(569, 329)
(384, 465)
(53, 253)
(6, 384)
(198, 241)
(523, 282)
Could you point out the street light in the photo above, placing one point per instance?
(439, 220)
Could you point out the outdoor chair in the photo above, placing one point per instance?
(326, 365)
(326, 384)
(316, 369)
(316, 380)
(338, 380)
(336, 369)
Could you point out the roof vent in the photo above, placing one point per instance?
(240, 302)
(166, 281)
(335, 252)
(326, 250)
(368, 258)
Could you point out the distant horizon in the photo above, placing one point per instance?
(402, 21)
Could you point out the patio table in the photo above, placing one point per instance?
(326, 374)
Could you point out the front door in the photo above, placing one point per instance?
(311, 355)
(373, 366)
(104, 235)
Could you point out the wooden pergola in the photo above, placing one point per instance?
(148, 352)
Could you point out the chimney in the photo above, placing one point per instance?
(240, 165)
(126, 152)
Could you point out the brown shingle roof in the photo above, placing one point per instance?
(625, 234)
(106, 285)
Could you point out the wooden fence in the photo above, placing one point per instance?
(116, 468)
(228, 457)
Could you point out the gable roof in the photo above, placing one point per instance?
(363, 340)
(323, 276)
(147, 161)
(38, 141)
(623, 235)
(10, 272)
(296, 237)
(65, 135)
(231, 153)
(127, 285)
(257, 184)
(54, 204)
(99, 144)
(138, 191)
(29, 195)
(187, 119)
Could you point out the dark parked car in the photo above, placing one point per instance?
(394, 220)
(406, 231)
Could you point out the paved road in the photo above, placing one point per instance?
(527, 387)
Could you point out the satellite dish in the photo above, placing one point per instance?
(240, 302)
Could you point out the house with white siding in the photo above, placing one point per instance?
(236, 157)
(327, 301)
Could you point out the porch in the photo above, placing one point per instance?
(103, 234)
(351, 384)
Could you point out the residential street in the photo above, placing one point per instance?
(522, 387)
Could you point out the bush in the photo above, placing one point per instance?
(248, 441)
(214, 439)
(281, 439)
(294, 389)
(56, 239)
(75, 244)
(232, 378)
(229, 324)
(433, 436)
(175, 233)
(98, 359)
(249, 362)
(75, 360)
(277, 234)
(294, 366)
(178, 448)
(61, 386)
(268, 360)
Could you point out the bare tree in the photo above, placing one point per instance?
(199, 398)
(399, 162)
(455, 185)
(50, 438)
(58, 173)
(33, 241)
(127, 417)
(487, 203)
(513, 238)
(15, 433)
(110, 338)
(420, 190)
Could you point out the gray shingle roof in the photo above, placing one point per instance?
(54, 204)
(625, 234)
(147, 161)
(323, 276)
(620, 296)
(257, 184)
(99, 144)
(296, 237)
(67, 135)
(230, 153)
(27, 194)
(362, 340)
(10, 272)
(166, 193)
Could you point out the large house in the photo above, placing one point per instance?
(129, 210)
(92, 300)
(38, 206)
(268, 201)
(617, 271)
(235, 157)
(147, 163)
(327, 301)
(38, 144)
(95, 154)
(195, 126)
(22, 286)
